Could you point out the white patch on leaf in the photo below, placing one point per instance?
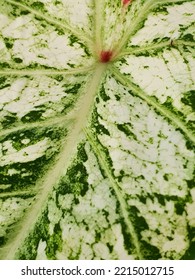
(159, 25)
(160, 76)
(26, 154)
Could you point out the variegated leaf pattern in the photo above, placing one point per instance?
(97, 129)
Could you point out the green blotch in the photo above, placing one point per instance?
(122, 174)
(57, 2)
(32, 116)
(161, 198)
(82, 153)
(59, 78)
(29, 172)
(151, 140)
(149, 251)
(75, 180)
(110, 247)
(123, 60)
(97, 100)
(188, 37)
(64, 187)
(2, 240)
(17, 60)
(9, 42)
(191, 183)
(118, 98)
(180, 206)
(127, 130)
(54, 243)
(73, 39)
(73, 89)
(166, 177)
(2, 80)
(34, 65)
(189, 99)
(169, 105)
(4, 65)
(40, 232)
(60, 31)
(100, 129)
(4, 83)
(162, 10)
(71, 65)
(103, 94)
(38, 6)
(128, 242)
(190, 252)
(24, 12)
(97, 236)
(78, 180)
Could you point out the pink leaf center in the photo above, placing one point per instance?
(126, 2)
(105, 56)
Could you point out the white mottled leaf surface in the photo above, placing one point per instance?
(97, 129)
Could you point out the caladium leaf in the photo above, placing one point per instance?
(97, 120)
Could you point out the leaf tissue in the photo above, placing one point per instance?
(97, 129)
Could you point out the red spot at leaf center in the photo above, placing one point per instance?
(105, 56)
(126, 2)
